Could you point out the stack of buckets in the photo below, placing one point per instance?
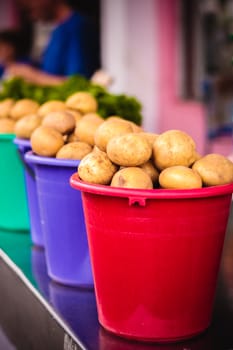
(154, 254)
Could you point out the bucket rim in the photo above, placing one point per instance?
(22, 142)
(203, 192)
(35, 159)
(7, 136)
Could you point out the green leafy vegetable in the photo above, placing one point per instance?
(109, 104)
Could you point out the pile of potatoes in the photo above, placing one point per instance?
(114, 151)
(56, 128)
(11, 111)
(125, 156)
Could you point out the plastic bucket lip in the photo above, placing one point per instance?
(204, 192)
(33, 158)
(7, 136)
(22, 142)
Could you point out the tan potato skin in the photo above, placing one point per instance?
(214, 169)
(109, 129)
(23, 107)
(5, 107)
(76, 114)
(179, 177)
(129, 150)
(74, 150)
(173, 147)
(84, 102)
(151, 137)
(96, 168)
(46, 141)
(62, 121)
(114, 118)
(51, 106)
(72, 138)
(150, 169)
(7, 126)
(87, 126)
(132, 177)
(136, 128)
(25, 126)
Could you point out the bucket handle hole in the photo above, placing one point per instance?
(141, 202)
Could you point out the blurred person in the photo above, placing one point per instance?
(12, 49)
(41, 34)
(72, 47)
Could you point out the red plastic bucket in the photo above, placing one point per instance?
(155, 256)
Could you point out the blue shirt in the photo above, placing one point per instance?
(73, 48)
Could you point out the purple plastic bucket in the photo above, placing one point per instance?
(31, 190)
(39, 269)
(77, 306)
(66, 247)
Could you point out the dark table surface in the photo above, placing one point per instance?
(25, 323)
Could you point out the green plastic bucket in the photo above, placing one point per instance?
(13, 202)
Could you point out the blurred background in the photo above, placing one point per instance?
(175, 56)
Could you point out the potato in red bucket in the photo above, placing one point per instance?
(153, 249)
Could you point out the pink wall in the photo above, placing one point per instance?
(175, 113)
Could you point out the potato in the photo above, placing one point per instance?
(26, 125)
(62, 121)
(72, 138)
(136, 128)
(5, 107)
(87, 126)
(174, 147)
(150, 169)
(114, 118)
(230, 157)
(7, 126)
(76, 114)
(96, 168)
(51, 106)
(151, 137)
(132, 177)
(179, 177)
(74, 150)
(84, 102)
(214, 169)
(23, 107)
(109, 129)
(65, 138)
(129, 150)
(46, 141)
